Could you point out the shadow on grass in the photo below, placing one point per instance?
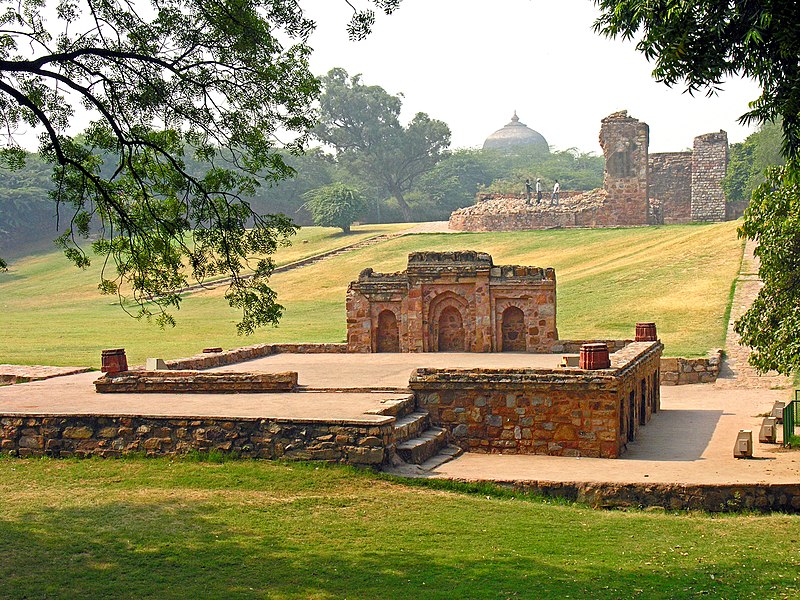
(209, 549)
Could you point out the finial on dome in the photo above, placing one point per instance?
(515, 118)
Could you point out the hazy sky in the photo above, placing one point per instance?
(472, 63)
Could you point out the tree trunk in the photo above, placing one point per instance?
(404, 208)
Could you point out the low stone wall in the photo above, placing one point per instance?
(196, 382)
(228, 357)
(111, 436)
(559, 412)
(684, 371)
(706, 497)
(574, 346)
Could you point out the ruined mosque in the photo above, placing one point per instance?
(639, 188)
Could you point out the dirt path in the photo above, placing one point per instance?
(736, 371)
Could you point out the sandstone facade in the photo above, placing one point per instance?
(453, 302)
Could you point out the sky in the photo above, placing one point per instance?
(473, 63)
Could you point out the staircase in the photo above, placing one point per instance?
(418, 444)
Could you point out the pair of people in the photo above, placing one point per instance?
(529, 189)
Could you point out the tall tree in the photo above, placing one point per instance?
(223, 78)
(362, 123)
(335, 205)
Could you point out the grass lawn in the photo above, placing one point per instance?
(157, 528)
(678, 276)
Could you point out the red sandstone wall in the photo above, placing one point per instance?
(568, 412)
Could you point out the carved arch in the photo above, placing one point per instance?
(453, 308)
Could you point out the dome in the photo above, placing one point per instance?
(515, 134)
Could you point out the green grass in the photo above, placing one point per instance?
(678, 276)
(242, 529)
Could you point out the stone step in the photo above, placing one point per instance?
(446, 454)
(419, 449)
(410, 426)
(396, 407)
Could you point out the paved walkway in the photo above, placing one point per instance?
(736, 371)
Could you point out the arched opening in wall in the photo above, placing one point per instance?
(643, 402)
(513, 329)
(631, 415)
(388, 336)
(451, 336)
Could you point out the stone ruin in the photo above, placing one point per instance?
(453, 302)
(638, 188)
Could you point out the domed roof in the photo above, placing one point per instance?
(516, 133)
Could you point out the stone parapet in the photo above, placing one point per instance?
(237, 355)
(574, 346)
(560, 412)
(685, 371)
(112, 436)
(196, 382)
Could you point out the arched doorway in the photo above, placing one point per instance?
(451, 331)
(388, 336)
(513, 328)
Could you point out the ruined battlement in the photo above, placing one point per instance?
(638, 188)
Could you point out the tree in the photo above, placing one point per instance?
(210, 81)
(749, 161)
(699, 44)
(335, 205)
(361, 122)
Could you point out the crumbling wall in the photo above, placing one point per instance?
(625, 142)
(709, 164)
(670, 187)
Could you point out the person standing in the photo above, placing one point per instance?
(538, 190)
(528, 190)
(554, 197)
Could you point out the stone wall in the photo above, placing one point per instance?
(709, 164)
(638, 188)
(455, 302)
(564, 412)
(784, 497)
(111, 436)
(196, 382)
(209, 360)
(685, 371)
(670, 187)
(625, 142)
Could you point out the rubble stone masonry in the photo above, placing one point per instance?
(671, 187)
(709, 164)
(110, 436)
(564, 412)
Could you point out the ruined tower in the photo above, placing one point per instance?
(709, 164)
(624, 141)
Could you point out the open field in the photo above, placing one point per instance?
(180, 529)
(678, 276)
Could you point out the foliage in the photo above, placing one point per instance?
(699, 44)
(574, 170)
(749, 160)
(362, 123)
(218, 79)
(772, 324)
(335, 205)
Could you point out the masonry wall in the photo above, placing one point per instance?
(709, 164)
(565, 412)
(111, 436)
(625, 143)
(670, 187)
(454, 302)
